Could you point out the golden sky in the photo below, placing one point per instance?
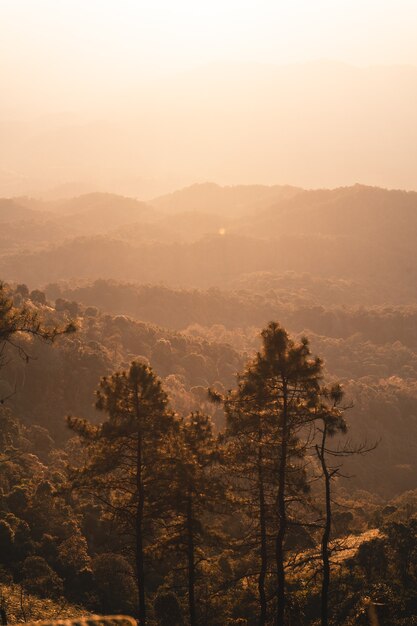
(62, 52)
(170, 92)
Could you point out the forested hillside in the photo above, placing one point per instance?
(169, 298)
(361, 235)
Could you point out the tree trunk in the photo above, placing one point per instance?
(191, 559)
(140, 565)
(264, 552)
(3, 614)
(326, 534)
(282, 513)
(140, 568)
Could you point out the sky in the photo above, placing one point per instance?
(134, 70)
(61, 52)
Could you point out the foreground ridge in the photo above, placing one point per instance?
(90, 620)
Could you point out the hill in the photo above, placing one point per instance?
(364, 236)
(360, 212)
(28, 607)
(65, 543)
(227, 201)
(372, 352)
(12, 211)
(62, 379)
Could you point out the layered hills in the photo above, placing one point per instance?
(187, 281)
(208, 236)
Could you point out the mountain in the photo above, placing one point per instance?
(359, 211)
(106, 203)
(101, 212)
(225, 200)
(12, 211)
(363, 235)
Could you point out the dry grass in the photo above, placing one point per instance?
(24, 607)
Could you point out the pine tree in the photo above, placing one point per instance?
(269, 418)
(330, 423)
(291, 378)
(22, 320)
(127, 466)
(198, 492)
(249, 444)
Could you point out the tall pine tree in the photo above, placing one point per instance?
(198, 497)
(270, 416)
(127, 466)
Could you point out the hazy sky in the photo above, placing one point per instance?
(112, 93)
(62, 53)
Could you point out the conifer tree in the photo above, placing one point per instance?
(198, 492)
(23, 320)
(331, 422)
(291, 378)
(249, 444)
(269, 417)
(127, 466)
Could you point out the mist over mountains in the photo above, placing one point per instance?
(211, 236)
(316, 124)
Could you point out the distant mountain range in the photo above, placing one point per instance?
(208, 235)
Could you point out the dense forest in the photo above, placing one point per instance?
(209, 407)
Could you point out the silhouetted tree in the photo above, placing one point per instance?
(331, 422)
(22, 320)
(291, 379)
(115, 584)
(250, 454)
(269, 415)
(198, 491)
(402, 539)
(126, 462)
(167, 609)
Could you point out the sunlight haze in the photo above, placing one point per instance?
(111, 93)
(208, 313)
